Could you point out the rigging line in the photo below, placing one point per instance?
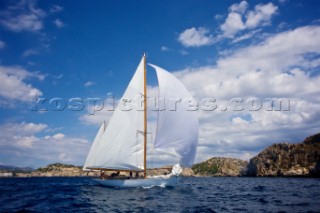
(145, 116)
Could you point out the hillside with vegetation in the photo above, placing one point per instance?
(218, 166)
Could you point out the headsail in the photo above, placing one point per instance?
(177, 130)
(95, 145)
(121, 145)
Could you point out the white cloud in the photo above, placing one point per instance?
(278, 67)
(195, 37)
(13, 83)
(21, 145)
(239, 8)
(58, 136)
(29, 52)
(239, 121)
(240, 18)
(277, 52)
(56, 9)
(245, 36)
(20, 134)
(22, 16)
(89, 83)
(232, 25)
(165, 49)
(58, 23)
(2, 44)
(261, 15)
(24, 128)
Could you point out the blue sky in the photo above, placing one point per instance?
(222, 49)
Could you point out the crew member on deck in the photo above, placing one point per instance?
(102, 175)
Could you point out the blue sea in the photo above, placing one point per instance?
(192, 194)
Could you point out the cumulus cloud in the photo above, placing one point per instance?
(14, 84)
(21, 144)
(260, 15)
(232, 25)
(240, 18)
(22, 16)
(277, 52)
(20, 134)
(278, 68)
(239, 8)
(195, 37)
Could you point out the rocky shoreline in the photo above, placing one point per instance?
(288, 160)
(278, 160)
(281, 159)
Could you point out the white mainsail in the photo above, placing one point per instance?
(177, 129)
(121, 145)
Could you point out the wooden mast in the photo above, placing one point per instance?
(145, 116)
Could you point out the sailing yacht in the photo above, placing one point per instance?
(121, 146)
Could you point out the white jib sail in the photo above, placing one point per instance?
(177, 127)
(121, 145)
(96, 143)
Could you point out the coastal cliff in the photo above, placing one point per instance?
(219, 166)
(284, 159)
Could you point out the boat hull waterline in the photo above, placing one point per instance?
(144, 183)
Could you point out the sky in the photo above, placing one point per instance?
(248, 56)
